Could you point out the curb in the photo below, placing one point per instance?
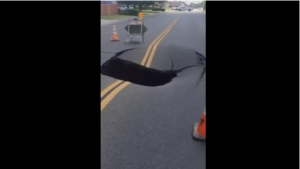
(123, 20)
(116, 21)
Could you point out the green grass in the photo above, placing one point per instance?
(115, 17)
(168, 9)
(150, 11)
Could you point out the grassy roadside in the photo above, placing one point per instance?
(115, 17)
(168, 9)
(150, 11)
(121, 17)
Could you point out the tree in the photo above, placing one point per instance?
(140, 4)
(161, 3)
(203, 4)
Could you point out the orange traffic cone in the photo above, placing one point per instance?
(200, 128)
(115, 34)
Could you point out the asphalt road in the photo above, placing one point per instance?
(151, 127)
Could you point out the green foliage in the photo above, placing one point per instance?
(197, 5)
(132, 12)
(139, 4)
(203, 4)
(158, 9)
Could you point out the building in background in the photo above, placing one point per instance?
(171, 4)
(109, 8)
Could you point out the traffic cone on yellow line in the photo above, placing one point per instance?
(200, 128)
(115, 34)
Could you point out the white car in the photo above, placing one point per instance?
(123, 7)
(174, 8)
(185, 8)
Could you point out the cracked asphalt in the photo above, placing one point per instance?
(151, 127)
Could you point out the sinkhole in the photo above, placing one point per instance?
(135, 73)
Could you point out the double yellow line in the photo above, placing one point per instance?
(119, 85)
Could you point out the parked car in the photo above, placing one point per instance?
(184, 8)
(123, 7)
(174, 8)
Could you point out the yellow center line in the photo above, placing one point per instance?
(151, 45)
(111, 95)
(107, 89)
(156, 44)
(110, 87)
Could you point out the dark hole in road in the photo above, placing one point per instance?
(138, 74)
(129, 71)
